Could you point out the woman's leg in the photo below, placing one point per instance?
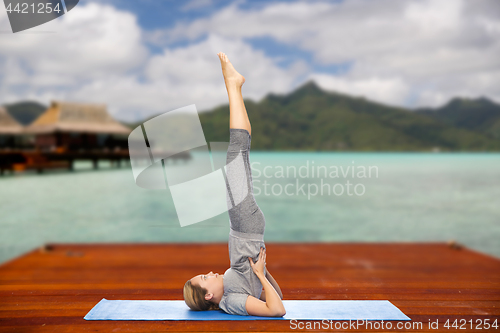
(238, 117)
(244, 213)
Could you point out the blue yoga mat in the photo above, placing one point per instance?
(302, 310)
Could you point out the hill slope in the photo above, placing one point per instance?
(25, 112)
(481, 115)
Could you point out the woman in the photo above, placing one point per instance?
(239, 291)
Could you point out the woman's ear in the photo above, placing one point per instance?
(208, 297)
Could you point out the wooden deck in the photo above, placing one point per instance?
(51, 290)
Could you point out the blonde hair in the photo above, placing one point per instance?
(194, 296)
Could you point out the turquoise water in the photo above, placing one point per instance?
(407, 197)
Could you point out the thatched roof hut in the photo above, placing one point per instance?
(8, 125)
(76, 117)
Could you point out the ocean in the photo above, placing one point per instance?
(305, 197)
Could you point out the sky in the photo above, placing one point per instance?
(146, 57)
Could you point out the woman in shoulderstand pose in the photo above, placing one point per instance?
(239, 291)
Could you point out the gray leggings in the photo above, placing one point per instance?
(244, 213)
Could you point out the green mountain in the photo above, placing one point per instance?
(480, 115)
(312, 119)
(25, 112)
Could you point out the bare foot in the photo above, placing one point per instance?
(231, 76)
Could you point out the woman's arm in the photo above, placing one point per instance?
(273, 306)
(274, 284)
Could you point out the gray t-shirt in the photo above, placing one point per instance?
(239, 280)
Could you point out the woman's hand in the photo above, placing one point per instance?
(273, 306)
(258, 267)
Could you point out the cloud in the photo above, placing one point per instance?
(196, 4)
(432, 47)
(192, 75)
(91, 45)
(90, 42)
(375, 88)
(98, 54)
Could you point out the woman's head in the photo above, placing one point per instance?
(204, 291)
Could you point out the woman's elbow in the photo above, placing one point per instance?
(281, 313)
(276, 311)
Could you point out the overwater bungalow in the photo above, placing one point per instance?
(66, 127)
(64, 133)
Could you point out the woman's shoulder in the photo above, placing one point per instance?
(234, 303)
